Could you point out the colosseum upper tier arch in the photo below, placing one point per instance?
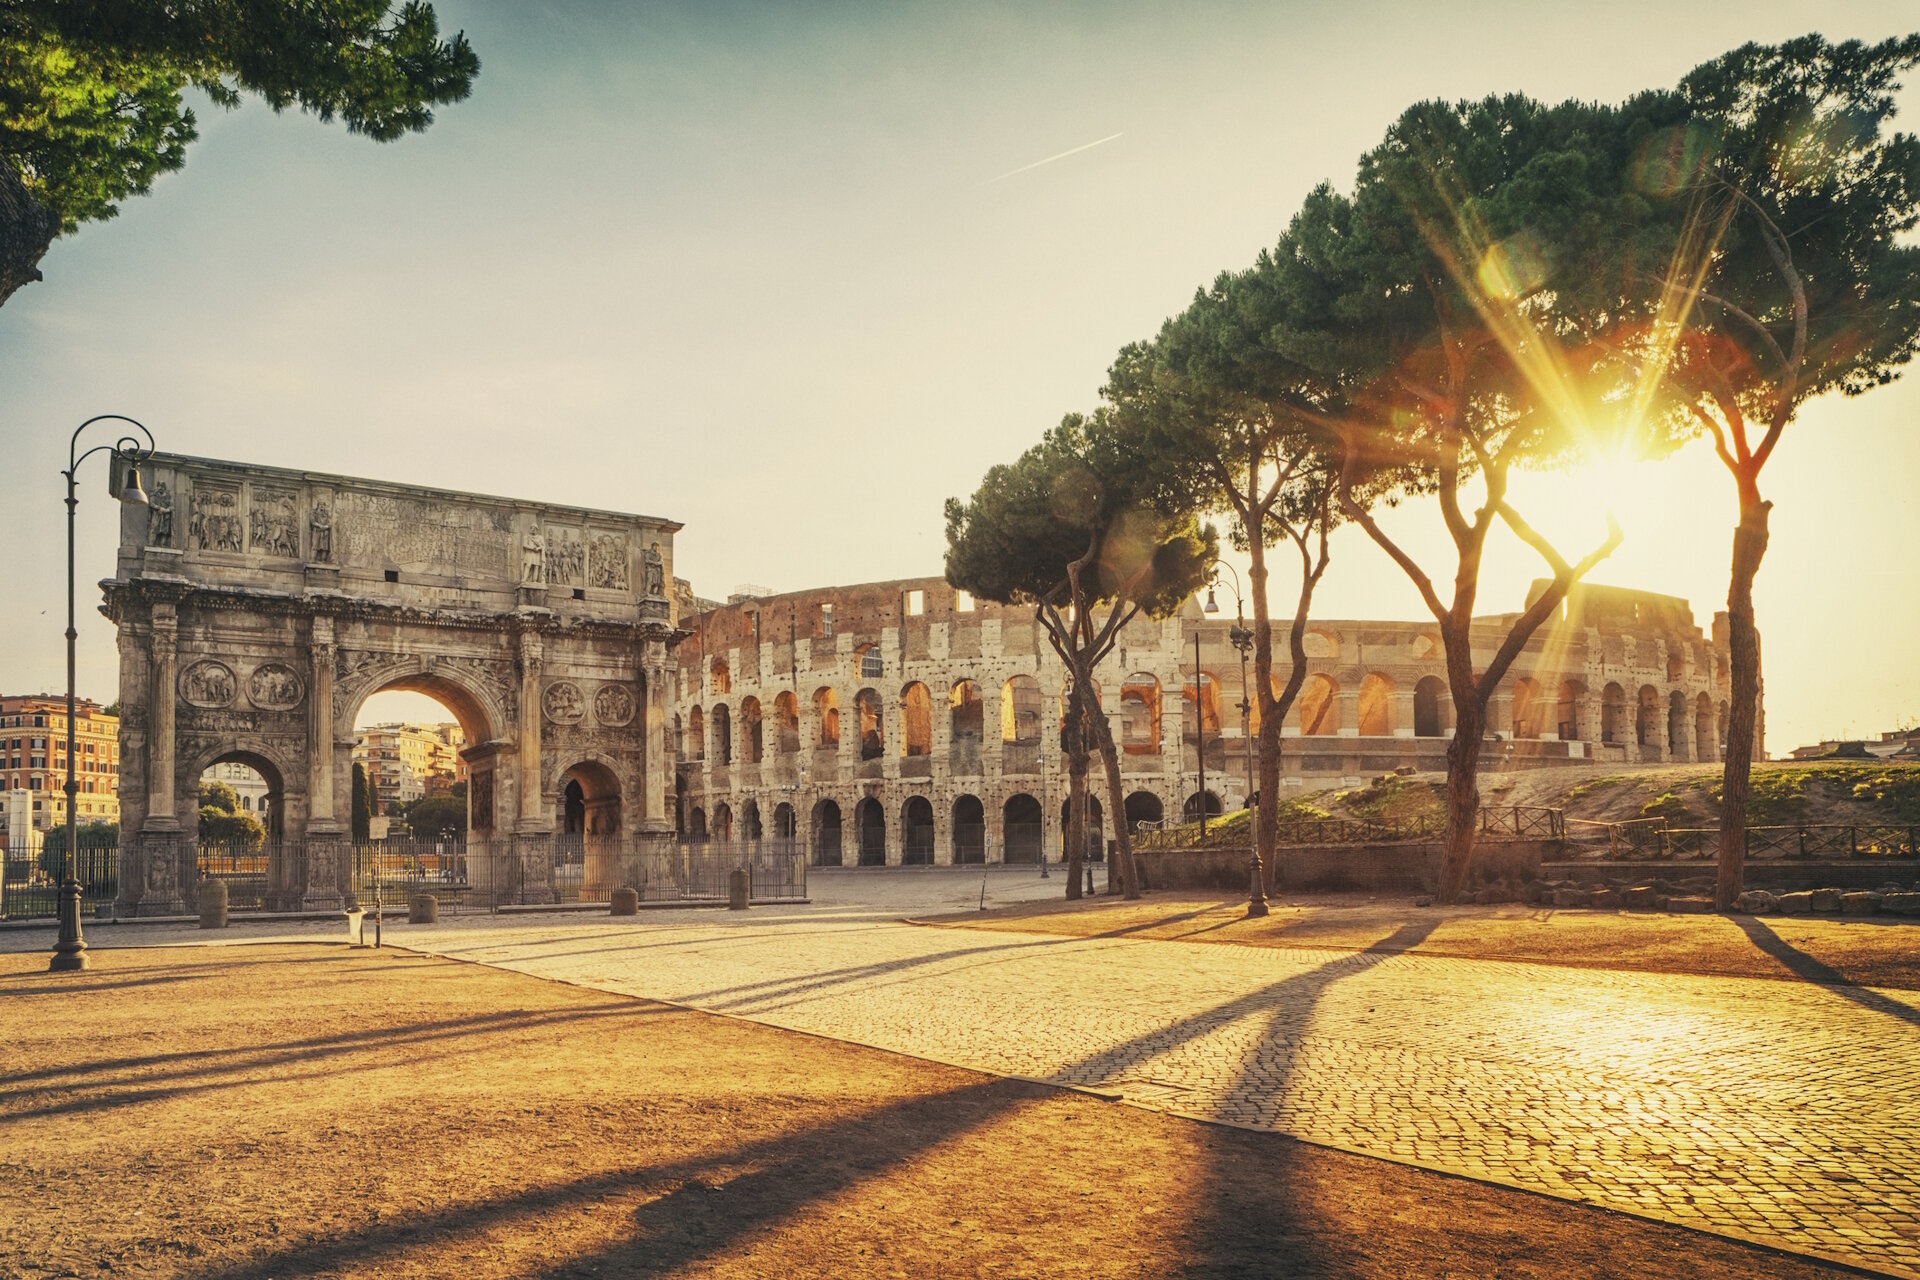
(911, 690)
(258, 608)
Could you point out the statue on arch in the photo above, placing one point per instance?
(656, 572)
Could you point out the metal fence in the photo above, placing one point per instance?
(30, 877)
(1651, 838)
(281, 876)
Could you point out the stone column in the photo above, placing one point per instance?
(166, 867)
(655, 685)
(1348, 702)
(1403, 713)
(325, 880)
(532, 839)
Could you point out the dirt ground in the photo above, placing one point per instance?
(267, 1112)
(1860, 952)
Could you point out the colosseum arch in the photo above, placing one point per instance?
(722, 721)
(753, 740)
(1318, 709)
(1140, 714)
(969, 830)
(1432, 708)
(965, 728)
(1613, 714)
(916, 722)
(786, 724)
(826, 714)
(1375, 709)
(258, 608)
(697, 732)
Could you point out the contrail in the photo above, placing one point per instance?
(1088, 146)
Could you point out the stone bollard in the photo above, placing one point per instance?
(213, 904)
(423, 908)
(739, 884)
(626, 902)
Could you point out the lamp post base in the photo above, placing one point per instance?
(70, 952)
(1257, 896)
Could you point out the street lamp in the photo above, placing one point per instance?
(1242, 639)
(70, 949)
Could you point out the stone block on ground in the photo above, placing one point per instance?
(1756, 902)
(1572, 897)
(1900, 904)
(1796, 904)
(1690, 905)
(212, 900)
(1858, 903)
(1640, 895)
(1825, 900)
(1603, 899)
(423, 908)
(626, 902)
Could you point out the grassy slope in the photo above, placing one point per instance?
(1784, 793)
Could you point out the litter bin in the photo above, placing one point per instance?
(626, 902)
(739, 884)
(423, 908)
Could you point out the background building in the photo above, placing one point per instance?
(405, 762)
(903, 722)
(33, 760)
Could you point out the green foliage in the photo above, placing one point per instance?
(434, 815)
(233, 830)
(1397, 799)
(362, 805)
(1895, 791)
(1598, 784)
(218, 796)
(1671, 807)
(88, 835)
(1077, 509)
(91, 110)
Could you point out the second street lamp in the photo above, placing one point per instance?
(1242, 639)
(70, 948)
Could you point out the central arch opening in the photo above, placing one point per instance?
(420, 799)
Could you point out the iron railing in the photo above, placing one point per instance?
(1651, 838)
(30, 877)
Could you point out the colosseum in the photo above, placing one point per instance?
(817, 715)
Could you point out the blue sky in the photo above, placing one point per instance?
(745, 266)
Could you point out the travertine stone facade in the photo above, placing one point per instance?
(258, 609)
(902, 722)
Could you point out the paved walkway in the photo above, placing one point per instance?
(1779, 1112)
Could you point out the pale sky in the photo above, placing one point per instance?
(781, 272)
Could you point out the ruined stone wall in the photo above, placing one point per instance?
(1375, 700)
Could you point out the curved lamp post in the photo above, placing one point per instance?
(1242, 639)
(70, 949)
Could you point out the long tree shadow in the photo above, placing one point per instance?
(693, 1208)
(1817, 971)
(190, 1063)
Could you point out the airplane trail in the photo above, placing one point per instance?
(1074, 151)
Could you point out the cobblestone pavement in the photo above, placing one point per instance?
(1779, 1112)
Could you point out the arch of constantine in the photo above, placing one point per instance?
(258, 608)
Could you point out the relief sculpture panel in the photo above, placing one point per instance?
(563, 703)
(371, 530)
(607, 565)
(214, 524)
(566, 558)
(273, 524)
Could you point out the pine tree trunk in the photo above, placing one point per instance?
(1076, 809)
(1463, 795)
(26, 232)
(1123, 869)
(1749, 547)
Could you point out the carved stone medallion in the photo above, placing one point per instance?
(207, 684)
(613, 705)
(563, 703)
(274, 686)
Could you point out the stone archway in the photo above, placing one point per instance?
(268, 605)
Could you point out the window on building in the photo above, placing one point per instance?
(916, 603)
(963, 602)
(826, 622)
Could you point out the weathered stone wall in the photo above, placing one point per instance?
(259, 608)
(1375, 701)
(1371, 868)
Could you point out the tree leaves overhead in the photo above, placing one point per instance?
(91, 91)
